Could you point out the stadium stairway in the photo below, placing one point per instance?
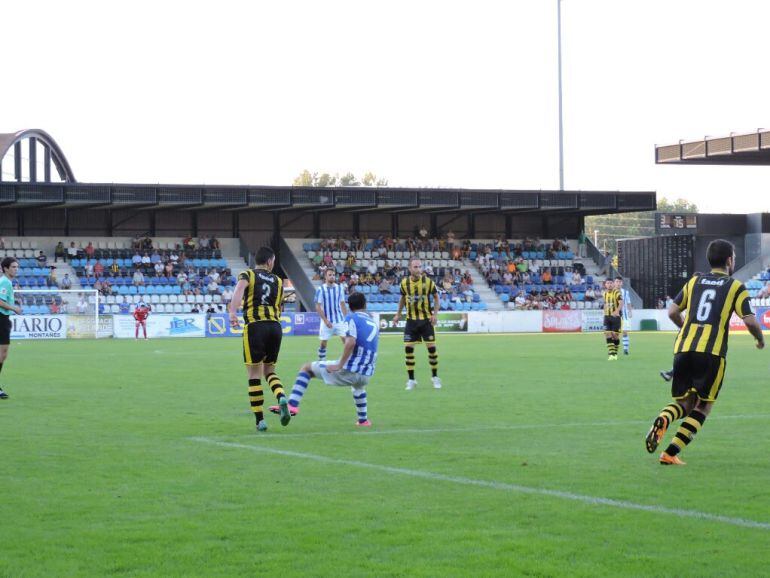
(299, 270)
(480, 286)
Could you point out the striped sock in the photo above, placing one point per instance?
(300, 385)
(409, 361)
(433, 361)
(686, 432)
(321, 353)
(626, 343)
(610, 343)
(256, 399)
(616, 343)
(275, 385)
(671, 413)
(359, 397)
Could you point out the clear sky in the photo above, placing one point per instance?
(425, 93)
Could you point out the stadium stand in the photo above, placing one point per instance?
(536, 274)
(178, 275)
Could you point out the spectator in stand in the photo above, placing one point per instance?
(371, 267)
(90, 250)
(188, 244)
(72, 251)
(195, 308)
(59, 252)
(494, 278)
(66, 282)
(146, 263)
(168, 269)
(89, 268)
(51, 279)
(214, 274)
(155, 257)
(507, 278)
(428, 269)
(210, 310)
(42, 260)
(520, 301)
(227, 294)
(173, 257)
(590, 294)
(2, 243)
(158, 267)
(138, 278)
(214, 243)
(669, 301)
(181, 279)
(54, 308)
(384, 286)
(546, 277)
(203, 242)
(98, 269)
(106, 287)
(212, 287)
(147, 244)
(466, 291)
(115, 269)
(576, 278)
(136, 260)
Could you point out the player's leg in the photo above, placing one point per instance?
(301, 383)
(273, 335)
(409, 343)
(3, 356)
(684, 401)
(626, 341)
(322, 350)
(608, 336)
(144, 329)
(359, 398)
(667, 374)
(429, 337)
(708, 375)
(253, 355)
(136, 330)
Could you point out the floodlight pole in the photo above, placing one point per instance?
(561, 124)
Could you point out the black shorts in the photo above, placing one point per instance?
(417, 330)
(261, 342)
(701, 373)
(5, 329)
(612, 323)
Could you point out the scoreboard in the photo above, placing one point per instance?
(657, 266)
(676, 223)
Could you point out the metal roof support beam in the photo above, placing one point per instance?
(32, 159)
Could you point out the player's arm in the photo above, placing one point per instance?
(236, 301)
(618, 308)
(743, 309)
(15, 308)
(436, 305)
(350, 345)
(680, 303)
(401, 303)
(344, 306)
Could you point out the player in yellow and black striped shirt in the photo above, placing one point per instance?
(420, 296)
(613, 305)
(700, 349)
(260, 292)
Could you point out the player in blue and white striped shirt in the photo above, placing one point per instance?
(330, 305)
(353, 369)
(625, 313)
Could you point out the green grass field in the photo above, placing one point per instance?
(123, 458)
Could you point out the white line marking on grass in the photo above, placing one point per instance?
(585, 499)
(481, 428)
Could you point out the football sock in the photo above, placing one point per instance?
(300, 385)
(256, 399)
(275, 385)
(1, 367)
(616, 343)
(686, 432)
(359, 397)
(626, 343)
(321, 353)
(433, 360)
(610, 345)
(671, 413)
(409, 361)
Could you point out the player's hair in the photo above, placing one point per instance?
(718, 252)
(7, 262)
(413, 259)
(264, 254)
(356, 301)
(618, 278)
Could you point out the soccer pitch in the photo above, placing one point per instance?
(140, 458)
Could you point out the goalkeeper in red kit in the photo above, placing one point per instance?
(140, 314)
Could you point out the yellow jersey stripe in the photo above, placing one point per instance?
(724, 318)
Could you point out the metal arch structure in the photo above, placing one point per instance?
(51, 151)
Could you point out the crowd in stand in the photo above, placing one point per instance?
(382, 265)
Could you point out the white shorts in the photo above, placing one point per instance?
(324, 333)
(342, 377)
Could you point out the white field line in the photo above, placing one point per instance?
(502, 486)
(481, 428)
